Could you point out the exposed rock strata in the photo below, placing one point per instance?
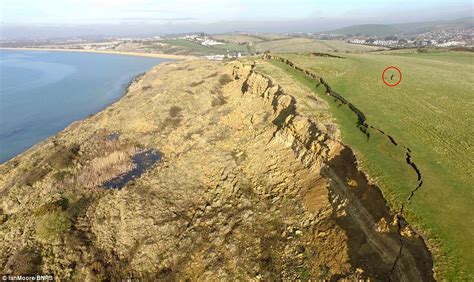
(364, 127)
(247, 188)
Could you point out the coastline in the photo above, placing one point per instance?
(123, 92)
(111, 52)
(133, 123)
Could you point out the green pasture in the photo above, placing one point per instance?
(431, 112)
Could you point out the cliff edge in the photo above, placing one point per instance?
(201, 171)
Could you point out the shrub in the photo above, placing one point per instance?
(224, 79)
(60, 175)
(54, 204)
(23, 262)
(63, 156)
(34, 175)
(98, 271)
(79, 207)
(193, 84)
(53, 225)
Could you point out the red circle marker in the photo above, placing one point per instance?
(396, 83)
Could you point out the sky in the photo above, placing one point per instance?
(206, 11)
(168, 16)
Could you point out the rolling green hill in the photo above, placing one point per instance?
(298, 44)
(390, 29)
(367, 29)
(436, 26)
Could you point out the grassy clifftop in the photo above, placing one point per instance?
(428, 112)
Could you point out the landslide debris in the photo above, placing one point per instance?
(247, 187)
(364, 126)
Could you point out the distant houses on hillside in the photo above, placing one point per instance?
(444, 38)
(222, 57)
(201, 39)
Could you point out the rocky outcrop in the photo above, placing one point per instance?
(388, 245)
(246, 188)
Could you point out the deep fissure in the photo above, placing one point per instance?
(363, 125)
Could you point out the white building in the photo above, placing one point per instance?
(215, 57)
(210, 42)
(450, 44)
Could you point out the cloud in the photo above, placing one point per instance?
(109, 3)
(158, 19)
(151, 10)
(209, 11)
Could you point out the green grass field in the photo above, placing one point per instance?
(260, 43)
(237, 38)
(232, 47)
(430, 112)
(300, 44)
(193, 46)
(198, 49)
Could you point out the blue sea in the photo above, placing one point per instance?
(42, 92)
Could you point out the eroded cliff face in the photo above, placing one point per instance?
(247, 188)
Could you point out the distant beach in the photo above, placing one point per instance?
(149, 55)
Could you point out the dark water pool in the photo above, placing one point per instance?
(142, 162)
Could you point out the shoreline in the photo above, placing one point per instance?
(91, 132)
(110, 52)
(123, 93)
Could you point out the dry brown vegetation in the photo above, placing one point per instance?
(224, 79)
(229, 199)
(106, 166)
(52, 225)
(26, 261)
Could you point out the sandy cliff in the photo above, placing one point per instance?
(247, 187)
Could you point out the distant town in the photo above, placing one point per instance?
(444, 38)
(217, 47)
